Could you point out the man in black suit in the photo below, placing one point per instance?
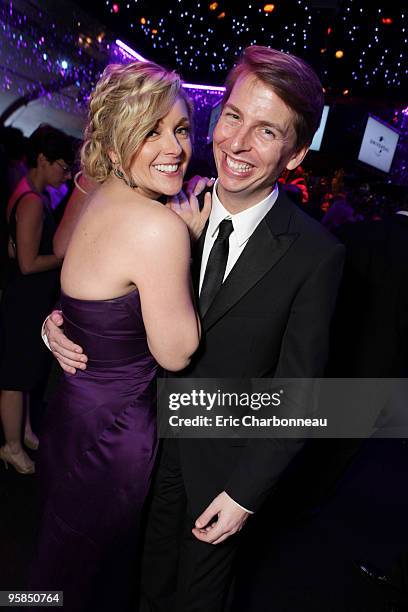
(372, 311)
(370, 339)
(267, 279)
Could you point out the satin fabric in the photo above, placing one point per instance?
(96, 457)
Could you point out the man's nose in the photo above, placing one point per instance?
(241, 140)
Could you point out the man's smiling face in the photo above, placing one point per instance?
(254, 140)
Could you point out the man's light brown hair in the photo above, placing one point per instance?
(292, 79)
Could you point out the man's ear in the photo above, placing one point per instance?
(297, 158)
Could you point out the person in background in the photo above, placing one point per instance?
(339, 213)
(12, 170)
(32, 288)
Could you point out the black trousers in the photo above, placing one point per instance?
(180, 573)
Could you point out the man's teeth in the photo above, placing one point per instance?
(167, 167)
(237, 166)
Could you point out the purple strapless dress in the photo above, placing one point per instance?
(97, 452)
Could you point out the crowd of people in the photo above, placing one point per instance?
(128, 306)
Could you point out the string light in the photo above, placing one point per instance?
(195, 41)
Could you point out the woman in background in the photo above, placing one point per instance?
(32, 288)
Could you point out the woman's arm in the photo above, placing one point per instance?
(74, 208)
(164, 283)
(29, 217)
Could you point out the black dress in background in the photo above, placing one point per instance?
(26, 301)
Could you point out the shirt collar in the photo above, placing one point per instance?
(244, 222)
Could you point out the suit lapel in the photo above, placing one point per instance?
(267, 245)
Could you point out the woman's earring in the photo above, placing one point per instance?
(118, 173)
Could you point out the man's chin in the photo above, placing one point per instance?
(235, 187)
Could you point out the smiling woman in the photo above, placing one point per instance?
(127, 301)
(126, 109)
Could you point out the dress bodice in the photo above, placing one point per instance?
(111, 332)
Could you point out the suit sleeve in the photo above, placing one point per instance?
(303, 355)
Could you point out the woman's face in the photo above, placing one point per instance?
(57, 172)
(161, 163)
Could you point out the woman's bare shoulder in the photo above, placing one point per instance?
(153, 219)
(30, 203)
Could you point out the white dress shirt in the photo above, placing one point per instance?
(244, 224)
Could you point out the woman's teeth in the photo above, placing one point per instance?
(167, 167)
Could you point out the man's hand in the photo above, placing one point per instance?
(231, 519)
(185, 204)
(70, 356)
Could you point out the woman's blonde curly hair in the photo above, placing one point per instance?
(127, 103)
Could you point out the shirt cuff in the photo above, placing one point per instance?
(44, 335)
(242, 507)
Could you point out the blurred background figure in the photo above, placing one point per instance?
(12, 170)
(340, 212)
(32, 287)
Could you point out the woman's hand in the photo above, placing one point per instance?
(185, 204)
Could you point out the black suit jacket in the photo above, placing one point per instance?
(270, 318)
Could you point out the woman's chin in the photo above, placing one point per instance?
(172, 192)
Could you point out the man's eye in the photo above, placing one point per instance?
(269, 133)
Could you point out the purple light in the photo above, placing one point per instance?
(405, 111)
(124, 47)
(130, 51)
(205, 87)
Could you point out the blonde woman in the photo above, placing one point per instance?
(127, 299)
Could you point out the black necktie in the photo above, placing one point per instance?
(215, 270)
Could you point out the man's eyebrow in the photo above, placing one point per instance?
(271, 124)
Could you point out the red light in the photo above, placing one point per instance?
(269, 8)
(329, 31)
(115, 8)
(386, 20)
